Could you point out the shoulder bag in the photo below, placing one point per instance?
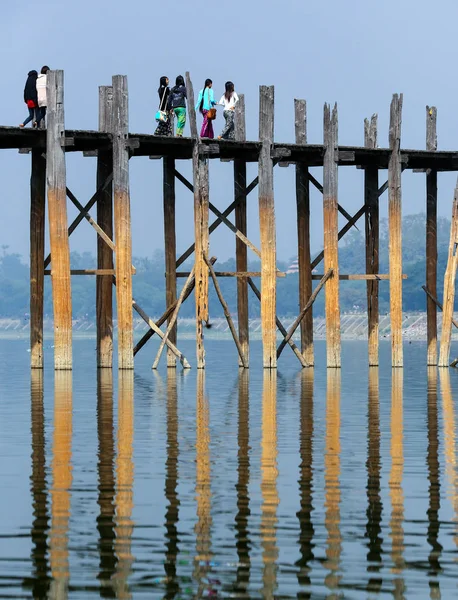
(161, 115)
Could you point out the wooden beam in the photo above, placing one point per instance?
(431, 238)
(267, 227)
(449, 287)
(331, 255)
(37, 252)
(303, 234)
(239, 275)
(122, 223)
(191, 106)
(319, 187)
(241, 258)
(371, 200)
(57, 214)
(100, 232)
(170, 246)
(436, 302)
(99, 272)
(360, 277)
(104, 286)
(234, 229)
(303, 312)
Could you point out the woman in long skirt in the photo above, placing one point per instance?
(229, 100)
(164, 127)
(205, 102)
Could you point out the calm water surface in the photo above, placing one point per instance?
(296, 484)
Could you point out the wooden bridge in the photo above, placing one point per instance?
(114, 146)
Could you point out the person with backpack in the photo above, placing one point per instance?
(31, 98)
(205, 104)
(177, 103)
(165, 124)
(41, 92)
(229, 100)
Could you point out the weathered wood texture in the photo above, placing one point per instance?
(170, 247)
(267, 227)
(449, 287)
(331, 231)
(303, 234)
(122, 223)
(395, 230)
(191, 106)
(201, 191)
(37, 256)
(431, 238)
(371, 200)
(57, 215)
(241, 224)
(104, 286)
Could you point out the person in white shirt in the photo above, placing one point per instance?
(229, 100)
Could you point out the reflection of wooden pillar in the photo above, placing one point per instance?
(332, 480)
(105, 467)
(432, 462)
(124, 483)
(374, 501)
(61, 484)
(171, 485)
(39, 529)
(269, 492)
(448, 408)
(431, 238)
(170, 247)
(243, 499)
(203, 486)
(306, 479)
(395, 480)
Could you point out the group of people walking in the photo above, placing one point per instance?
(173, 102)
(35, 97)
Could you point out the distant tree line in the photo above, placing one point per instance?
(149, 282)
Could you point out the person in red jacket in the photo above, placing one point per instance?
(31, 97)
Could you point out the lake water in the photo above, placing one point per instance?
(297, 484)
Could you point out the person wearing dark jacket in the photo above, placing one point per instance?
(164, 127)
(177, 103)
(31, 97)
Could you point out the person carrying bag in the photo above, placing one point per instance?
(164, 126)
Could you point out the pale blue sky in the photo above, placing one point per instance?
(356, 53)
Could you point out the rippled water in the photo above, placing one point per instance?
(296, 484)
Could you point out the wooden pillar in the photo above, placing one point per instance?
(104, 284)
(37, 256)
(170, 248)
(58, 226)
(395, 231)
(303, 234)
(123, 237)
(241, 225)
(372, 243)
(449, 287)
(331, 232)
(267, 227)
(431, 239)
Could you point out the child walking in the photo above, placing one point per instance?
(229, 100)
(205, 102)
(31, 97)
(177, 103)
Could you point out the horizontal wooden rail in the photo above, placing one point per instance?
(359, 277)
(233, 274)
(91, 271)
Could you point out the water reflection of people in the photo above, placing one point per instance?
(106, 455)
(374, 502)
(332, 479)
(269, 492)
(61, 484)
(395, 482)
(306, 479)
(171, 484)
(39, 531)
(203, 488)
(125, 478)
(432, 462)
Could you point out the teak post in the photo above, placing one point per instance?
(371, 200)
(449, 287)
(395, 230)
(241, 225)
(104, 285)
(331, 232)
(37, 256)
(123, 238)
(57, 214)
(303, 234)
(170, 247)
(431, 238)
(267, 227)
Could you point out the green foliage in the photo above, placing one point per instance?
(149, 281)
